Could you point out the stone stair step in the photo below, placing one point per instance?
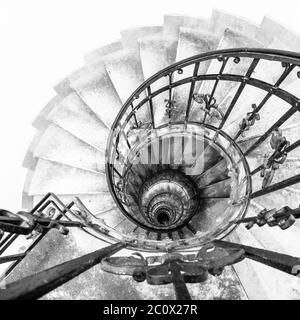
(157, 52)
(58, 178)
(96, 55)
(210, 215)
(97, 91)
(272, 283)
(230, 39)
(216, 173)
(221, 20)
(219, 189)
(58, 145)
(124, 66)
(73, 115)
(173, 22)
(131, 36)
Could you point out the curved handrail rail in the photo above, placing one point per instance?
(289, 60)
(267, 54)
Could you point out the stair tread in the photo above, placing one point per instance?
(58, 145)
(157, 52)
(267, 71)
(191, 42)
(115, 219)
(55, 177)
(95, 202)
(205, 161)
(40, 122)
(218, 189)
(269, 29)
(276, 284)
(29, 160)
(275, 239)
(93, 58)
(230, 39)
(131, 36)
(172, 23)
(216, 173)
(124, 66)
(273, 108)
(272, 111)
(97, 91)
(273, 30)
(73, 115)
(96, 55)
(221, 20)
(211, 215)
(279, 198)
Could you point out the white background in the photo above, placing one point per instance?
(43, 41)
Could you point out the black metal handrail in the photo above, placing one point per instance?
(37, 285)
(257, 54)
(144, 95)
(185, 244)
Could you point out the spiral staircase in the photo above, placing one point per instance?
(167, 136)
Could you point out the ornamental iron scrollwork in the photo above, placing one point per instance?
(250, 120)
(26, 224)
(209, 105)
(140, 125)
(285, 65)
(283, 218)
(279, 144)
(138, 130)
(170, 107)
(194, 268)
(120, 157)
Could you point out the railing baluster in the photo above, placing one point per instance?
(117, 144)
(5, 239)
(180, 234)
(225, 60)
(134, 116)
(190, 98)
(37, 285)
(239, 92)
(273, 259)
(10, 238)
(277, 186)
(12, 257)
(215, 79)
(151, 106)
(118, 173)
(172, 146)
(150, 153)
(170, 96)
(277, 124)
(269, 95)
(126, 139)
(42, 235)
(183, 150)
(7, 242)
(181, 291)
(160, 151)
(287, 150)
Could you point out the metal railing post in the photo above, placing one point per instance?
(37, 285)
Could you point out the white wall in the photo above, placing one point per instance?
(42, 41)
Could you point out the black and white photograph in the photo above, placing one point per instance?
(150, 151)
